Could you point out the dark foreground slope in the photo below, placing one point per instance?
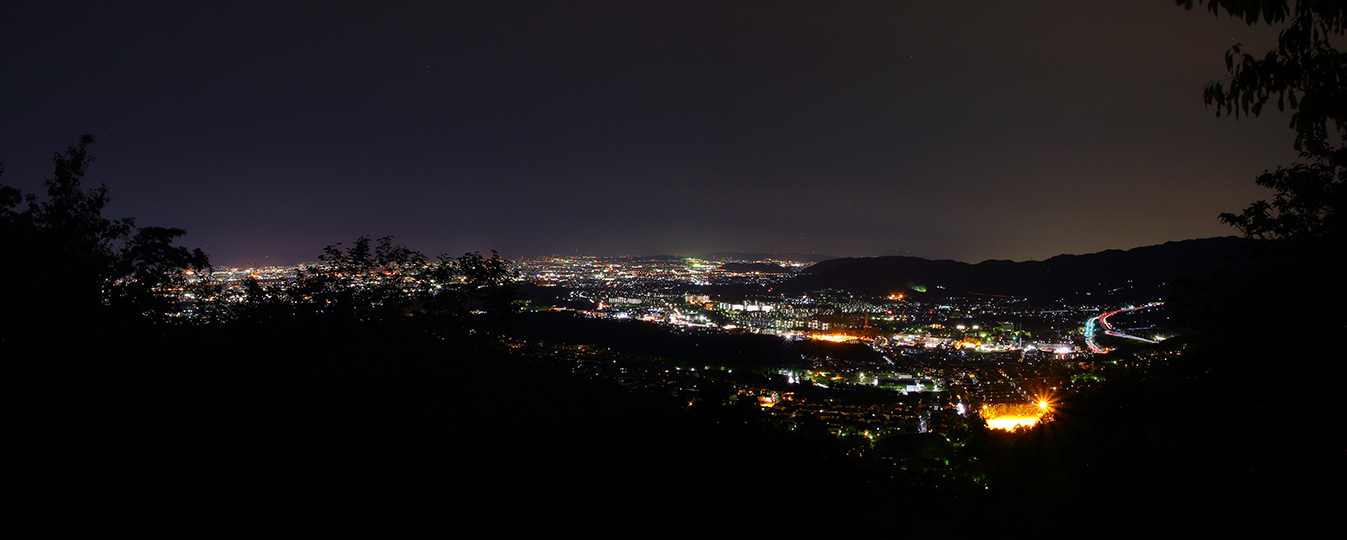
(349, 429)
(1142, 273)
(353, 429)
(1186, 452)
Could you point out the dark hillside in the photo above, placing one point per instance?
(1142, 273)
(347, 428)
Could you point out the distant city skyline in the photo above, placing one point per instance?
(957, 130)
(804, 258)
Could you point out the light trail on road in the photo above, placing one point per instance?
(1108, 328)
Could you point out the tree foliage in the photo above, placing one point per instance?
(379, 280)
(1296, 235)
(488, 284)
(363, 280)
(1308, 75)
(1305, 73)
(1307, 207)
(68, 260)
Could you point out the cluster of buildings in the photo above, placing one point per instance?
(978, 353)
(936, 358)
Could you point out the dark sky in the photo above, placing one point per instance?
(960, 129)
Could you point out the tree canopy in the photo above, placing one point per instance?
(1307, 207)
(69, 263)
(1305, 73)
(380, 280)
(73, 270)
(1297, 235)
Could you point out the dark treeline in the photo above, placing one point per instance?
(68, 265)
(378, 281)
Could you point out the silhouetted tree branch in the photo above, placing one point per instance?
(1297, 234)
(1307, 207)
(70, 263)
(1305, 73)
(381, 280)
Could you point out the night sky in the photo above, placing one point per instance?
(968, 130)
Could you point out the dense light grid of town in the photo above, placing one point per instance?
(1004, 357)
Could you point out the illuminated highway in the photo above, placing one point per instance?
(1090, 329)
